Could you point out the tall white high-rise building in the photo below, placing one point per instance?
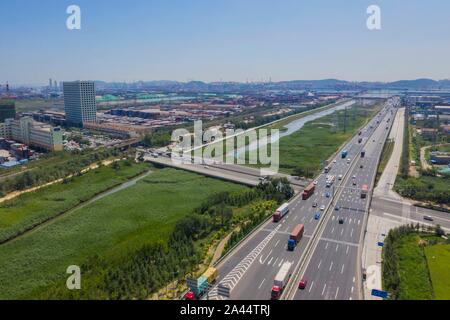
(79, 102)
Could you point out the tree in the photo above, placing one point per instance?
(439, 231)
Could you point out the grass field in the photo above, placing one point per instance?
(317, 141)
(420, 262)
(415, 282)
(425, 188)
(31, 209)
(141, 214)
(438, 258)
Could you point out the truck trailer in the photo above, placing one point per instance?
(295, 237)
(281, 212)
(308, 192)
(281, 280)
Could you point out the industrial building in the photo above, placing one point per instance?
(31, 133)
(79, 102)
(7, 109)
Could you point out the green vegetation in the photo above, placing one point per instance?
(110, 236)
(302, 152)
(157, 138)
(385, 156)
(28, 105)
(52, 169)
(406, 151)
(405, 269)
(31, 209)
(429, 187)
(438, 258)
(425, 188)
(259, 212)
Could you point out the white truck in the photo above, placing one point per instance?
(330, 181)
(281, 280)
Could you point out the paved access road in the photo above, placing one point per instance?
(250, 269)
(333, 270)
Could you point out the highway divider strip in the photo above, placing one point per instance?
(316, 234)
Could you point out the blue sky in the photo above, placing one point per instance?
(214, 40)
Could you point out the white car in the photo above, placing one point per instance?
(322, 208)
(340, 177)
(334, 161)
(316, 182)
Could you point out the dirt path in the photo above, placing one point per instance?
(219, 249)
(15, 194)
(423, 161)
(96, 198)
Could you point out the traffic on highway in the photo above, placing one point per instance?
(331, 214)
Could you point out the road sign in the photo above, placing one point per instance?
(223, 290)
(380, 293)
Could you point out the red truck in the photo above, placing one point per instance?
(364, 191)
(309, 191)
(295, 236)
(281, 212)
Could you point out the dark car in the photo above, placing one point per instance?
(341, 220)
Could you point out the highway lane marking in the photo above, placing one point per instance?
(342, 232)
(268, 263)
(261, 283)
(310, 288)
(351, 234)
(332, 230)
(324, 287)
(331, 265)
(277, 243)
(337, 247)
(281, 262)
(337, 292)
(232, 278)
(326, 246)
(340, 242)
(263, 262)
(354, 279)
(275, 262)
(353, 288)
(342, 269)
(318, 267)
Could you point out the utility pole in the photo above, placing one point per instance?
(345, 120)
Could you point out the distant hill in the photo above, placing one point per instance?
(325, 84)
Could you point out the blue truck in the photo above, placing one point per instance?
(344, 154)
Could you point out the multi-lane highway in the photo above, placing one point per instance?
(249, 270)
(333, 271)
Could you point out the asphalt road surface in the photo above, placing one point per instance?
(250, 269)
(333, 272)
